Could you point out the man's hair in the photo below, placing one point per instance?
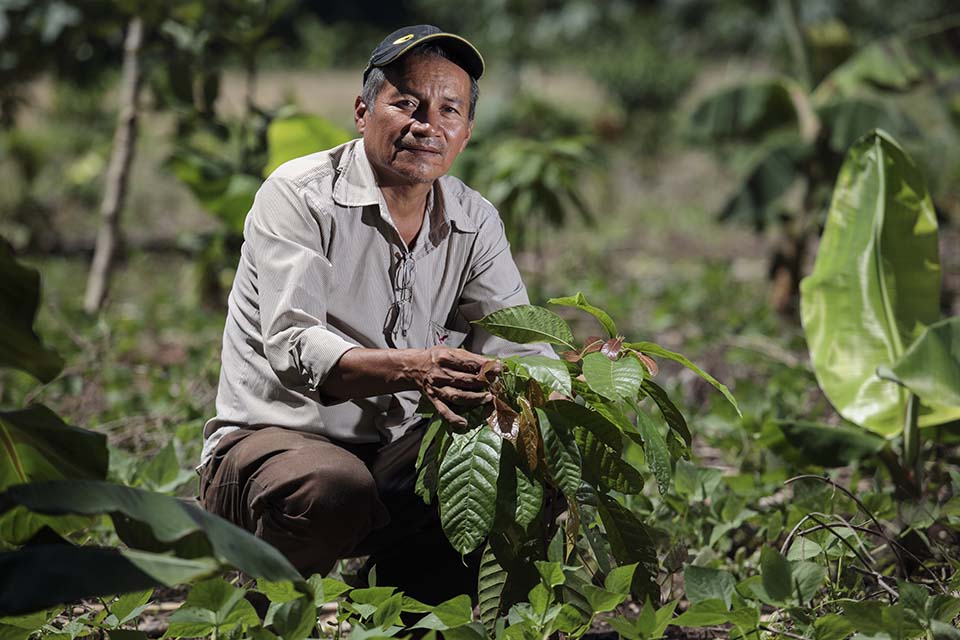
(376, 76)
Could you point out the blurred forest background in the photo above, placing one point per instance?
(671, 159)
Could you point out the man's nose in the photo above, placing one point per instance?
(423, 122)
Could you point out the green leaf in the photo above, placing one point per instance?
(561, 453)
(704, 614)
(164, 522)
(777, 575)
(528, 323)
(329, 589)
(212, 605)
(613, 379)
(656, 350)
(604, 469)
(630, 542)
(36, 445)
(748, 110)
(808, 577)
(581, 303)
(45, 576)
(540, 598)
(453, 613)
(529, 498)
(294, 619)
(278, 592)
(702, 584)
(758, 200)
(130, 605)
(943, 631)
(300, 135)
(491, 580)
(388, 612)
(20, 347)
(602, 600)
(551, 572)
(657, 453)
(620, 579)
(569, 415)
(930, 367)
(162, 472)
(875, 284)
(846, 120)
(552, 374)
(671, 413)
(924, 53)
(831, 445)
(832, 627)
(467, 487)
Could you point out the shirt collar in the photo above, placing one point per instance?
(356, 186)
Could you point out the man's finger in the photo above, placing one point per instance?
(462, 397)
(447, 414)
(461, 380)
(461, 360)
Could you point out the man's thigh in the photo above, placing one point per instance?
(309, 497)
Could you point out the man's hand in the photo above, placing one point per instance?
(448, 376)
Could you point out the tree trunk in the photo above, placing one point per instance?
(118, 173)
(786, 271)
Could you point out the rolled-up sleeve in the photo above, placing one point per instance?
(293, 277)
(494, 283)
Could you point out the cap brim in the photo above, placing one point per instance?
(465, 53)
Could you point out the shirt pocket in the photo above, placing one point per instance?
(441, 335)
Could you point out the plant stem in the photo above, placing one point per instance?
(795, 42)
(911, 440)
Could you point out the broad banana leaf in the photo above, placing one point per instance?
(299, 135)
(931, 366)
(749, 110)
(43, 576)
(20, 348)
(875, 285)
(927, 52)
(849, 119)
(36, 445)
(758, 201)
(155, 522)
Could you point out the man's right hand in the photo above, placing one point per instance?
(447, 377)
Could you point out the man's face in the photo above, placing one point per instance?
(419, 121)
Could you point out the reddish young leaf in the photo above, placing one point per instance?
(504, 421)
(593, 343)
(648, 363)
(611, 348)
(528, 440)
(571, 356)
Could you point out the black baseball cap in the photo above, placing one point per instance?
(401, 41)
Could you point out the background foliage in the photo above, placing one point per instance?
(608, 134)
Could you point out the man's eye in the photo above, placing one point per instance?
(406, 104)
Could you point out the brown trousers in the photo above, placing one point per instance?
(318, 501)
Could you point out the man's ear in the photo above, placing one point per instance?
(359, 112)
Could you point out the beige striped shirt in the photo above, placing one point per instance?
(323, 270)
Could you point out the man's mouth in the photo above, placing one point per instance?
(415, 149)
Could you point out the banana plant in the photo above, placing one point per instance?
(548, 459)
(871, 307)
(53, 487)
(803, 132)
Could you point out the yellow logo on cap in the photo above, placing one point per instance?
(409, 36)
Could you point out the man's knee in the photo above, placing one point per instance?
(326, 497)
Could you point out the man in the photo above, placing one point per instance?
(361, 270)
